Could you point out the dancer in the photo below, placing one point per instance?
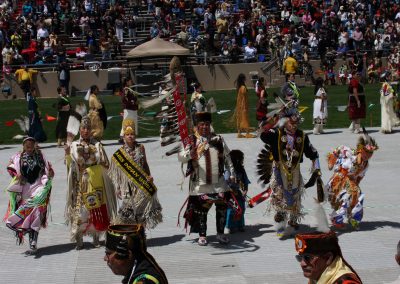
(91, 202)
(29, 192)
(241, 114)
(320, 110)
(96, 114)
(134, 186)
(262, 103)
(35, 119)
(64, 110)
(126, 255)
(198, 102)
(389, 118)
(344, 192)
(206, 157)
(239, 188)
(284, 148)
(289, 90)
(130, 105)
(356, 105)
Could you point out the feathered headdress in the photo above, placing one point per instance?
(128, 126)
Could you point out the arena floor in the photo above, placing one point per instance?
(255, 256)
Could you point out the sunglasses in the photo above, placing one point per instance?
(308, 258)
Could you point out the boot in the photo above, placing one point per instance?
(316, 129)
(351, 127)
(79, 242)
(96, 240)
(33, 237)
(356, 128)
(321, 129)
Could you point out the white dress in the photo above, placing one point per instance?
(320, 111)
(388, 116)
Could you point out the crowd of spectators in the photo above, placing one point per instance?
(235, 30)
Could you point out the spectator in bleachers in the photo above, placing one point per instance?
(250, 53)
(131, 24)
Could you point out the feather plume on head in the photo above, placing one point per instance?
(128, 126)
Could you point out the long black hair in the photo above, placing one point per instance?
(240, 81)
(319, 83)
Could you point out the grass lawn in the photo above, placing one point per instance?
(225, 100)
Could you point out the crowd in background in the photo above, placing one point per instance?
(234, 30)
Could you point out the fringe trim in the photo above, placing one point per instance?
(138, 207)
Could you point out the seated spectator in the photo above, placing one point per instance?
(250, 53)
(342, 50)
(235, 53)
(225, 53)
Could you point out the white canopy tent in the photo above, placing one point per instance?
(157, 47)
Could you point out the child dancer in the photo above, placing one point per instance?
(235, 212)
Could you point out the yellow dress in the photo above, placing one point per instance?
(96, 123)
(242, 109)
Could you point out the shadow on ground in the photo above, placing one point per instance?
(6, 148)
(369, 226)
(242, 241)
(62, 248)
(164, 241)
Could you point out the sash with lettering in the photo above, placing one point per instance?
(134, 172)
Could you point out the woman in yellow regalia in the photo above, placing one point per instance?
(242, 108)
(91, 201)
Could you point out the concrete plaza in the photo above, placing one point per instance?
(255, 256)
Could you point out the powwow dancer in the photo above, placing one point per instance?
(91, 202)
(389, 118)
(130, 105)
(239, 188)
(320, 109)
(29, 192)
(280, 168)
(344, 193)
(133, 182)
(206, 156)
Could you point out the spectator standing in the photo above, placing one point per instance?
(290, 65)
(119, 28)
(358, 38)
(132, 26)
(24, 77)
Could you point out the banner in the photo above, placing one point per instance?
(180, 110)
(134, 172)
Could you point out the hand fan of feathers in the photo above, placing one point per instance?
(264, 165)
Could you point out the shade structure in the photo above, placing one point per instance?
(157, 47)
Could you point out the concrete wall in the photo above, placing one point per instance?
(223, 76)
(47, 82)
(211, 77)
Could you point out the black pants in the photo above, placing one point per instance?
(196, 215)
(25, 86)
